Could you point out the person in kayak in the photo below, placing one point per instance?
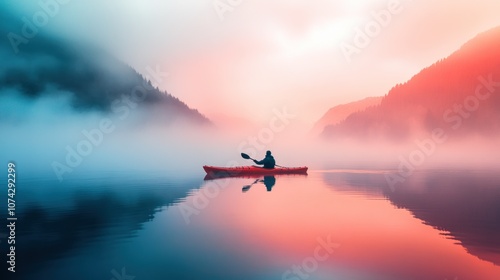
(268, 161)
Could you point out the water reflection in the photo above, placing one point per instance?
(86, 228)
(70, 216)
(268, 181)
(464, 205)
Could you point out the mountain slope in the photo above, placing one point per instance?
(459, 94)
(87, 78)
(339, 113)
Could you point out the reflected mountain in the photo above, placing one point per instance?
(48, 231)
(465, 205)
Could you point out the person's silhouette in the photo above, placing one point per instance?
(269, 181)
(268, 161)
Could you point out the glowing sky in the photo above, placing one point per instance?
(269, 54)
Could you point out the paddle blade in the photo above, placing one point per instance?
(246, 188)
(245, 156)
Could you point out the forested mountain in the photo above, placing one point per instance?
(459, 94)
(339, 113)
(88, 78)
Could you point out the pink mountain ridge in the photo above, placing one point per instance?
(339, 113)
(459, 94)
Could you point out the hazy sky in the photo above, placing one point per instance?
(266, 54)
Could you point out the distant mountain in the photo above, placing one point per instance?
(339, 113)
(88, 78)
(459, 94)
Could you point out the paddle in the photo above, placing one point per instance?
(245, 156)
(246, 188)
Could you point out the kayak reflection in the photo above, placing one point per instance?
(269, 182)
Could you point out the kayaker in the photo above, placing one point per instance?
(268, 161)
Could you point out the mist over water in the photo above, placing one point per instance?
(36, 137)
(72, 105)
(47, 129)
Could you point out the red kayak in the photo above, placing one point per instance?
(252, 170)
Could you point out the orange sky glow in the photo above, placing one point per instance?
(263, 56)
(241, 62)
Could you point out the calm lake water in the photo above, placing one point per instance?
(335, 224)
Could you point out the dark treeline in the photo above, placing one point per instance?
(89, 78)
